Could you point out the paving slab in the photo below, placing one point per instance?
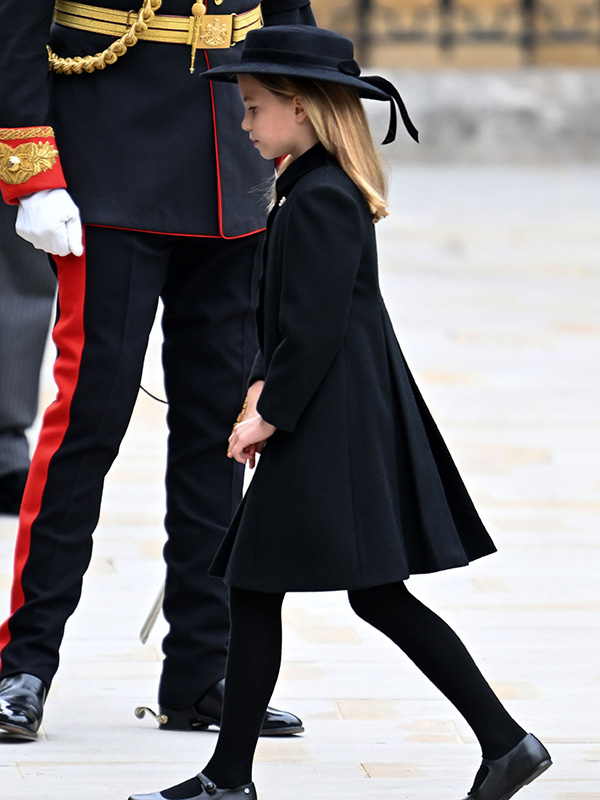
(492, 278)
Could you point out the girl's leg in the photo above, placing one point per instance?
(253, 664)
(438, 652)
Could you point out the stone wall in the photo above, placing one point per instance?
(484, 34)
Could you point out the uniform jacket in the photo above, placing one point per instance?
(143, 143)
(356, 488)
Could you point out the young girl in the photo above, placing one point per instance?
(355, 488)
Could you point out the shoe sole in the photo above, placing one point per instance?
(202, 723)
(282, 731)
(535, 774)
(203, 726)
(15, 732)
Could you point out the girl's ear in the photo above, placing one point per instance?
(299, 110)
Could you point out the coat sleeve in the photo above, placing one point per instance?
(29, 158)
(321, 254)
(257, 373)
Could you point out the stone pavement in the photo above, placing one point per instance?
(492, 277)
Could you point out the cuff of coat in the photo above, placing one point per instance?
(29, 162)
(257, 371)
(257, 374)
(273, 416)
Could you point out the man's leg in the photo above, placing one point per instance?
(209, 344)
(107, 304)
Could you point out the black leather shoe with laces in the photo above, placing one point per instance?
(501, 778)
(202, 788)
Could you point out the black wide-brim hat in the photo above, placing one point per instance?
(304, 51)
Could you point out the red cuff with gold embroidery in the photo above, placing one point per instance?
(29, 162)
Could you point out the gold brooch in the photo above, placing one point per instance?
(282, 201)
(19, 164)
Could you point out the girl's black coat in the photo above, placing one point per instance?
(356, 488)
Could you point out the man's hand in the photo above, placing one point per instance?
(248, 438)
(50, 221)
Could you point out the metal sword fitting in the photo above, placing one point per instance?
(141, 711)
(198, 10)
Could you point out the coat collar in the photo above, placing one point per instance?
(314, 158)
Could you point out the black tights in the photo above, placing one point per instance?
(255, 657)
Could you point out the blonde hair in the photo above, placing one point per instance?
(341, 125)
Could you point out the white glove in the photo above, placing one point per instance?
(50, 221)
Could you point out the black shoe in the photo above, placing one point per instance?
(202, 786)
(12, 486)
(501, 778)
(22, 698)
(207, 711)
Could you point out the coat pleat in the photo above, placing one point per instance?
(357, 487)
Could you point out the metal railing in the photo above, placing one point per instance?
(526, 24)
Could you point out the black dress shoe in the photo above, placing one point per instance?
(22, 698)
(207, 711)
(12, 486)
(204, 788)
(501, 778)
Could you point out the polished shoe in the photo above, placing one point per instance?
(501, 778)
(202, 786)
(22, 698)
(12, 486)
(207, 711)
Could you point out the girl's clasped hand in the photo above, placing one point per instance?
(250, 432)
(248, 439)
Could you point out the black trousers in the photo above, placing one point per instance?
(107, 305)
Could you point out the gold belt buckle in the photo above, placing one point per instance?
(215, 31)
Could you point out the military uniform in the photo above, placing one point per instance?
(165, 180)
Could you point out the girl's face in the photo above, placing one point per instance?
(277, 126)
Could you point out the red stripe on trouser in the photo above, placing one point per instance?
(68, 336)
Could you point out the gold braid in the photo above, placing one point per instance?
(7, 134)
(79, 64)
